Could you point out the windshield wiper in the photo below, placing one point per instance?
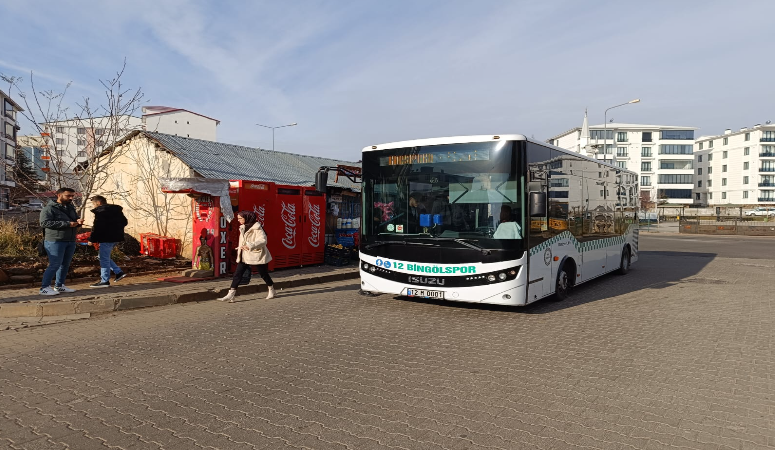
(473, 246)
(378, 244)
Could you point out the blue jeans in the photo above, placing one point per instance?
(60, 254)
(107, 264)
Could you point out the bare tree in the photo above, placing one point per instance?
(77, 136)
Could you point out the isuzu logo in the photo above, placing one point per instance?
(427, 280)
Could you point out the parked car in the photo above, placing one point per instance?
(34, 205)
(761, 212)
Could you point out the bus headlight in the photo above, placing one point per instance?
(512, 272)
(491, 278)
(502, 276)
(365, 266)
(372, 269)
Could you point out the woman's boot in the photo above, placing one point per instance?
(229, 297)
(270, 294)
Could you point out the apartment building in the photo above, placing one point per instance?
(661, 155)
(8, 129)
(736, 168)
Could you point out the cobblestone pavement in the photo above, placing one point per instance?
(677, 354)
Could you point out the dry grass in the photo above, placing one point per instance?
(16, 239)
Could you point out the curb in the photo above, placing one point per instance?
(74, 279)
(16, 310)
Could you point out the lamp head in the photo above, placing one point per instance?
(637, 100)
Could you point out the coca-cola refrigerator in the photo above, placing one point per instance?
(313, 227)
(287, 216)
(258, 197)
(211, 225)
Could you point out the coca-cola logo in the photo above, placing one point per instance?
(260, 213)
(314, 218)
(288, 215)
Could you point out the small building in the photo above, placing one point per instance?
(144, 158)
(179, 122)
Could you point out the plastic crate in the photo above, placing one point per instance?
(337, 261)
(144, 242)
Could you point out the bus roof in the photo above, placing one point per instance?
(482, 138)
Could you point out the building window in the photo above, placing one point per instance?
(699, 158)
(683, 135)
(697, 196)
(645, 181)
(746, 151)
(726, 141)
(621, 136)
(710, 194)
(745, 194)
(646, 137)
(710, 157)
(700, 145)
(645, 166)
(747, 136)
(672, 165)
(745, 165)
(725, 154)
(724, 168)
(768, 151)
(98, 131)
(598, 134)
(675, 149)
(82, 142)
(645, 152)
(710, 170)
(81, 154)
(723, 181)
(60, 141)
(60, 130)
(699, 184)
(769, 136)
(699, 171)
(723, 196)
(745, 180)
(81, 130)
(621, 152)
(622, 164)
(710, 144)
(675, 193)
(710, 183)
(676, 179)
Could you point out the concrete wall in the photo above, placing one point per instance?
(740, 228)
(182, 123)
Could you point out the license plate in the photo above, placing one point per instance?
(424, 293)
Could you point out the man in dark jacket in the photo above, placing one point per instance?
(108, 230)
(60, 223)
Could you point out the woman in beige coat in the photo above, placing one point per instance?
(251, 251)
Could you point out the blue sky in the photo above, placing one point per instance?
(357, 73)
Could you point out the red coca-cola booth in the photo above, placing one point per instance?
(293, 218)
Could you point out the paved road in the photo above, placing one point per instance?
(677, 354)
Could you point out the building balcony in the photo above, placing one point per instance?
(767, 199)
(767, 139)
(766, 169)
(767, 184)
(767, 155)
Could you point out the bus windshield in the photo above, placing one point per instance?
(466, 192)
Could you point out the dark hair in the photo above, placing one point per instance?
(63, 190)
(99, 198)
(249, 216)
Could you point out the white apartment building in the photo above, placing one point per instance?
(179, 122)
(736, 168)
(662, 156)
(8, 128)
(70, 143)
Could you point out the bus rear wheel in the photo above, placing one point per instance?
(564, 284)
(624, 267)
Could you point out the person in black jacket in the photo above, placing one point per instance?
(108, 230)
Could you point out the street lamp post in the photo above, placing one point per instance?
(605, 128)
(273, 128)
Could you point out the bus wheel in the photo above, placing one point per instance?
(624, 267)
(562, 290)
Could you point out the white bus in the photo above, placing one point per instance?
(492, 219)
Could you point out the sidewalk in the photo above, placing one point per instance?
(145, 291)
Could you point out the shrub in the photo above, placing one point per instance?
(16, 239)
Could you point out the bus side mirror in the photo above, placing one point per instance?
(538, 204)
(321, 181)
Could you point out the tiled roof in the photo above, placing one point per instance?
(235, 162)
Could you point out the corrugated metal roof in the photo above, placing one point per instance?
(235, 162)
